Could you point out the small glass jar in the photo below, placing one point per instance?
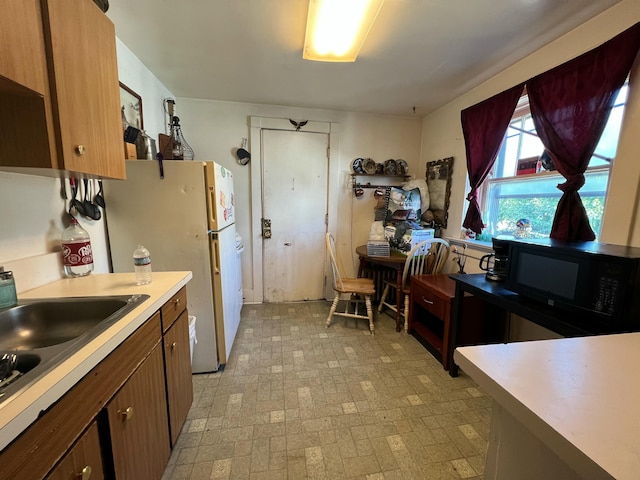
(8, 296)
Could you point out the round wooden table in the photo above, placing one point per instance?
(395, 261)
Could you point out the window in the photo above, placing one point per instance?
(520, 186)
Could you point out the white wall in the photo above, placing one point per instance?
(442, 131)
(133, 73)
(214, 129)
(32, 208)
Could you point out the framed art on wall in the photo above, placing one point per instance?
(131, 105)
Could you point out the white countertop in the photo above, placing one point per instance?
(580, 396)
(21, 409)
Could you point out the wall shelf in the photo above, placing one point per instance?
(379, 175)
(370, 176)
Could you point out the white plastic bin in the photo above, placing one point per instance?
(192, 334)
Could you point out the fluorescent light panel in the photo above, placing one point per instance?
(336, 29)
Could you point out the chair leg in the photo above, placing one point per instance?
(333, 309)
(383, 299)
(406, 313)
(367, 301)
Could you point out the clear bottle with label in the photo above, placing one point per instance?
(142, 265)
(77, 255)
(8, 297)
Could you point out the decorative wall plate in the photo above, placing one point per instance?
(369, 166)
(390, 167)
(357, 166)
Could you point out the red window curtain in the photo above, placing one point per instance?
(483, 127)
(570, 106)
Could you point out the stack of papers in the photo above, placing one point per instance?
(378, 248)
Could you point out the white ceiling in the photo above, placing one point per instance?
(419, 53)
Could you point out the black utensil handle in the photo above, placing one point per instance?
(159, 156)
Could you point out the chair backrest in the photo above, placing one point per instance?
(427, 257)
(336, 266)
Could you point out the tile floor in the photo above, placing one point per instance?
(298, 401)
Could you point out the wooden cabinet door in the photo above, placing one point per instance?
(22, 43)
(26, 138)
(83, 461)
(138, 422)
(178, 371)
(81, 54)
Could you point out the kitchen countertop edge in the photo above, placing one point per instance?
(19, 411)
(581, 429)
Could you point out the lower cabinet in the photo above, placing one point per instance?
(178, 373)
(138, 422)
(122, 419)
(83, 461)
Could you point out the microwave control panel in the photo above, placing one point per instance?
(607, 292)
(609, 287)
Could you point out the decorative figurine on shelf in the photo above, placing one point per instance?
(523, 228)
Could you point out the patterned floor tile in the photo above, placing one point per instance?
(299, 401)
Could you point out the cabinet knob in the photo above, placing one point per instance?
(176, 301)
(85, 474)
(126, 414)
(173, 346)
(79, 149)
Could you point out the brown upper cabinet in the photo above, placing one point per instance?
(59, 93)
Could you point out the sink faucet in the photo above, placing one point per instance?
(8, 297)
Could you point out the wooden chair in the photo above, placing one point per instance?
(420, 260)
(353, 286)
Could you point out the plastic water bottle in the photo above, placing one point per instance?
(142, 265)
(77, 255)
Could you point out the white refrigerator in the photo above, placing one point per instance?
(187, 222)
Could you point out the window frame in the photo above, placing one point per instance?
(522, 109)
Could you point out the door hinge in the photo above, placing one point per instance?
(328, 153)
(326, 219)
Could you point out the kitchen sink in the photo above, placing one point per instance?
(44, 333)
(51, 322)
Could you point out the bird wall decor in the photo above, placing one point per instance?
(298, 125)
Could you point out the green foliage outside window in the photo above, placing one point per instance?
(540, 212)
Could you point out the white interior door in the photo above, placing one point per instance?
(294, 197)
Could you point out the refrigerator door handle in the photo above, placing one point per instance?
(215, 253)
(210, 192)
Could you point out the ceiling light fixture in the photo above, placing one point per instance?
(336, 29)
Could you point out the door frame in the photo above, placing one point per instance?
(256, 293)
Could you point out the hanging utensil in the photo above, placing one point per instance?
(75, 204)
(99, 198)
(91, 210)
(88, 206)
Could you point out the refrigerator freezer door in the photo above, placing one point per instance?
(169, 217)
(220, 197)
(227, 281)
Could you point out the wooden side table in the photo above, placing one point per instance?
(430, 315)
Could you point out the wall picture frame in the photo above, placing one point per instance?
(131, 106)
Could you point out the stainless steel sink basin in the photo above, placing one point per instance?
(51, 322)
(45, 332)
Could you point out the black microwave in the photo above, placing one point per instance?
(598, 281)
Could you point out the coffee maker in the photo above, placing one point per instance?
(496, 264)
